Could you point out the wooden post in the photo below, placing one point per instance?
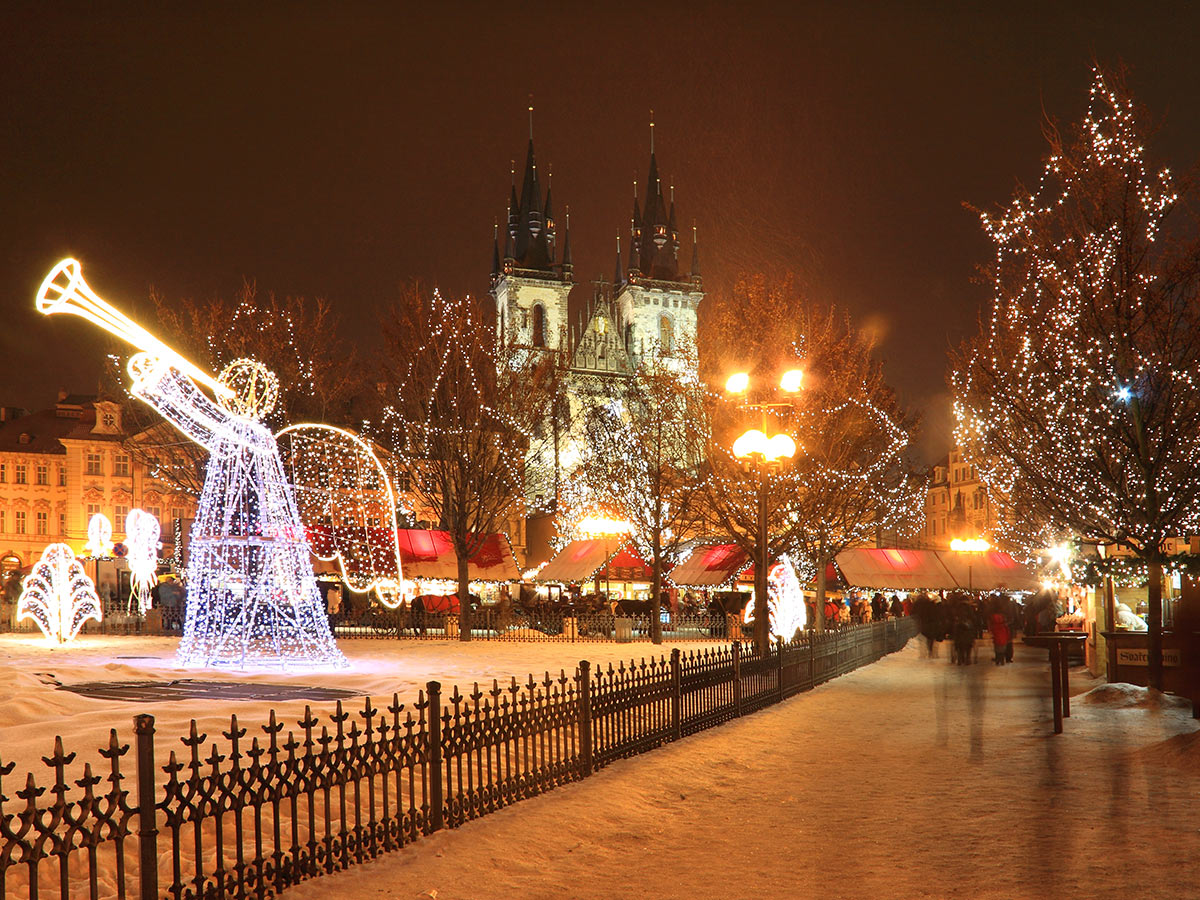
(585, 717)
(676, 695)
(434, 736)
(737, 677)
(143, 727)
(1056, 686)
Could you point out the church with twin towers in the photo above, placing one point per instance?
(603, 331)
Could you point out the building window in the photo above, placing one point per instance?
(93, 465)
(154, 511)
(22, 473)
(92, 509)
(43, 475)
(62, 476)
(666, 334)
(176, 513)
(121, 464)
(41, 523)
(539, 326)
(3, 522)
(20, 521)
(62, 523)
(122, 512)
(3, 473)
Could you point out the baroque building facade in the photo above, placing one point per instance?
(599, 333)
(60, 466)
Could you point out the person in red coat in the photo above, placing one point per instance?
(1000, 638)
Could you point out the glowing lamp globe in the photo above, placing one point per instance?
(781, 446)
(970, 545)
(792, 380)
(751, 443)
(737, 383)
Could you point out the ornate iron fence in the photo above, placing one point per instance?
(246, 815)
(492, 625)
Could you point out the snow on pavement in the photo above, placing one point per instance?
(909, 778)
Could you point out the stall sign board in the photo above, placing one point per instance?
(1141, 657)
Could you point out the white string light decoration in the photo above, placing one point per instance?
(142, 533)
(786, 611)
(100, 532)
(252, 598)
(347, 503)
(58, 595)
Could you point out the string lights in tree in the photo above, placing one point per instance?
(464, 412)
(141, 535)
(1079, 401)
(58, 595)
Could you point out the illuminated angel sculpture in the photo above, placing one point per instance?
(141, 534)
(252, 599)
(58, 595)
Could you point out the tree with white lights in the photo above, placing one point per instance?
(1079, 400)
(642, 462)
(460, 419)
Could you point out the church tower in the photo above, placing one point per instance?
(532, 279)
(656, 299)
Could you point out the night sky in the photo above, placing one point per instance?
(344, 151)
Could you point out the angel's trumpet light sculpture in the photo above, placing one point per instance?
(252, 599)
(58, 595)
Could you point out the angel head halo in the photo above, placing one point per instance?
(255, 389)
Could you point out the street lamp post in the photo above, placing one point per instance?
(760, 452)
(970, 547)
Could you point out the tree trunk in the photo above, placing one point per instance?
(1154, 619)
(656, 599)
(464, 599)
(819, 603)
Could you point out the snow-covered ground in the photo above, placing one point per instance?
(33, 711)
(909, 778)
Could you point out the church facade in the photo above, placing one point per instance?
(648, 309)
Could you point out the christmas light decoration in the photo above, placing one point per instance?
(786, 611)
(347, 503)
(141, 534)
(100, 532)
(58, 595)
(1079, 400)
(252, 598)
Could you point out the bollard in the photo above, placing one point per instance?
(436, 811)
(585, 717)
(143, 728)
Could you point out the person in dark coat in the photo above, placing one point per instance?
(878, 608)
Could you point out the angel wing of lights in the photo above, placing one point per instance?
(347, 505)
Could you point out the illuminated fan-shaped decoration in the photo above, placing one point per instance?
(141, 533)
(58, 595)
(785, 601)
(347, 504)
(100, 534)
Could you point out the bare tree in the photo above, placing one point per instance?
(1078, 399)
(459, 420)
(643, 460)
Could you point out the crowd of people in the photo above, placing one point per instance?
(962, 619)
(841, 611)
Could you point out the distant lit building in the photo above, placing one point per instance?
(956, 504)
(60, 466)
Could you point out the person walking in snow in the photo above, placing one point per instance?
(1000, 638)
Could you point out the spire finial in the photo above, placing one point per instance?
(672, 190)
(651, 132)
(635, 187)
(531, 117)
(512, 171)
